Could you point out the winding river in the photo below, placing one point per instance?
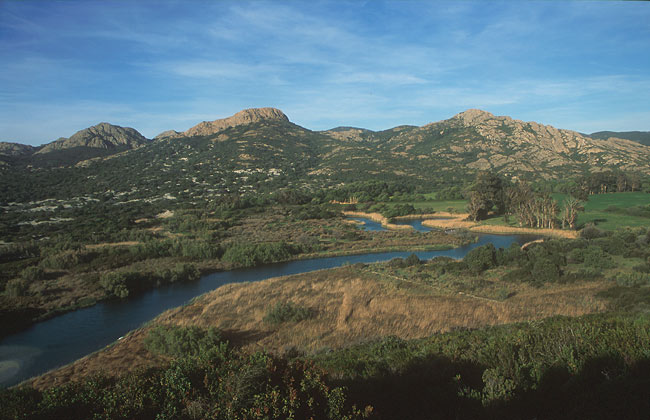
(63, 339)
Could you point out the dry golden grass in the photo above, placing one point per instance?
(377, 217)
(106, 244)
(459, 221)
(350, 306)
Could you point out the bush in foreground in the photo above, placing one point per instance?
(287, 312)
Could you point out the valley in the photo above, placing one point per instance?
(106, 220)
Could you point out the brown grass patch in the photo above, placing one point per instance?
(351, 306)
(459, 221)
(107, 244)
(379, 218)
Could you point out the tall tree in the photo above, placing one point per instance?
(486, 194)
(572, 206)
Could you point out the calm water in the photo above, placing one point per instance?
(367, 224)
(68, 337)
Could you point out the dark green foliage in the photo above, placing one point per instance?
(182, 341)
(248, 255)
(412, 260)
(68, 259)
(642, 137)
(486, 193)
(481, 258)
(399, 210)
(511, 255)
(592, 367)
(215, 385)
(115, 284)
(409, 261)
(591, 232)
(632, 279)
(594, 256)
(397, 262)
(545, 262)
(393, 210)
(366, 191)
(121, 284)
(287, 312)
(16, 287)
(544, 271)
(314, 212)
(32, 274)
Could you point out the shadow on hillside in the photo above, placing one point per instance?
(240, 338)
(438, 388)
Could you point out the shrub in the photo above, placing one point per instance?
(510, 255)
(181, 273)
(182, 341)
(481, 258)
(545, 271)
(115, 284)
(31, 274)
(412, 260)
(594, 256)
(591, 232)
(16, 287)
(248, 255)
(286, 312)
(67, 259)
(632, 279)
(397, 263)
(576, 255)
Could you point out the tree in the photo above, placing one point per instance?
(486, 193)
(476, 207)
(572, 206)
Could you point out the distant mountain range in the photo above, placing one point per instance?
(642, 137)
(255, 146)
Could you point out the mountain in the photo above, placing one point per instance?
(244, 117)
(262, 151)
(478, 140)
(11, 151)
(100, 136)
(642, 137)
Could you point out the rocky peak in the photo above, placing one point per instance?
(14, 149)
(244, 117)
(167, 134)
(474, 116)
(101, 136)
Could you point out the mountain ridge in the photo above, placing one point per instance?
(100, 136)
(243, 117)
(264, 139)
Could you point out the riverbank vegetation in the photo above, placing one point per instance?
(73, 267)
(45, 277)
(476, 338)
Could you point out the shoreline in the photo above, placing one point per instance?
(446, 220)
(207, 268)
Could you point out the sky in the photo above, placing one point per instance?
(156, 66)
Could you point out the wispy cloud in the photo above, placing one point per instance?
(170, 64)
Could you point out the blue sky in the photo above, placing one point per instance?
(154, 66)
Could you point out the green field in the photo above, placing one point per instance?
(594, 209)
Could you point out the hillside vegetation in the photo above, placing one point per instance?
(557, 328)
(371, 330)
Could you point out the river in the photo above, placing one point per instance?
(65, 338)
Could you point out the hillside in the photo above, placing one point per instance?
(642, 137)
(100, 136)
(261, 150)
(98, 141)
